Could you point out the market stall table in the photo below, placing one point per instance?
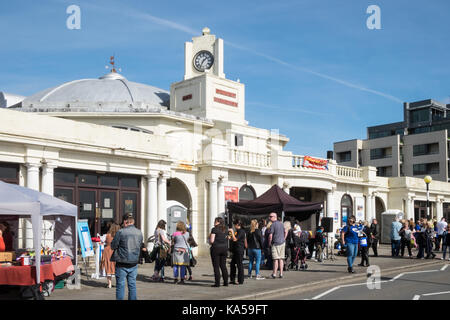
(26, 275)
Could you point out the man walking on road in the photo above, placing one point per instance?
(127, 246)
(277, 240)
(395, 237)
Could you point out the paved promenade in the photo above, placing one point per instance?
(199, 288)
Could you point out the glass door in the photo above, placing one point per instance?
(87, 207)
(108, 210)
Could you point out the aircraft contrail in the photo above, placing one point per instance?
(190, 31)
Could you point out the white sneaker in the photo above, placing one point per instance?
(259, 277)
(250, 276)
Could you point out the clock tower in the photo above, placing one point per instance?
(203, 54)
(205, 92)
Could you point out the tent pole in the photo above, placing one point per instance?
(282, 216)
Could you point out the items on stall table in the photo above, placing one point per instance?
(28, 258)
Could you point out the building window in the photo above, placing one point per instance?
(62, 177)
(425, 149)
(384, 171)
(247, 192)
(238, 140)
(379, 134)
(420, 130)
(420, 115)
(426, 168)
(9, 172)
(344, 156)
(346, 208)
(380, 153)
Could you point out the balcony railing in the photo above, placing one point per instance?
(248, 158)
(349, 172)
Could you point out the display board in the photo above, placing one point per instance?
(84, 235)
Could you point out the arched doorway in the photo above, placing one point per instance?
(379, 208)
(346, 208)
(247, 192)
(178, 195)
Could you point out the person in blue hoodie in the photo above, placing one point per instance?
(349, 237)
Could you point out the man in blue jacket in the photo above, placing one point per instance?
(127, 247)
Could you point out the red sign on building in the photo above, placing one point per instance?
(231, 194)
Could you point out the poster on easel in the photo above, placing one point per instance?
(84, 235)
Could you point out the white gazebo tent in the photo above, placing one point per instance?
(21, 201)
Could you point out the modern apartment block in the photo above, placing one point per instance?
(416, 147)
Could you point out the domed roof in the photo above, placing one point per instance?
(109, 93)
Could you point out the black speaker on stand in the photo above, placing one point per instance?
(327, 224)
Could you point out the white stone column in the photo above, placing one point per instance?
(439, 209)
(369, 210)
(32, 183)
(373, 213)
(162, 197)
(221, 196)
(330, 204)
(212, 201)
(408, 205)
(47, 179)
(152, 204)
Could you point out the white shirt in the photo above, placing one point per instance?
(441, 226)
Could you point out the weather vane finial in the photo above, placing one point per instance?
(112, 63)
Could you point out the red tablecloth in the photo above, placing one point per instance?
(26, 275)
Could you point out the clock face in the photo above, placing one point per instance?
(203, 60)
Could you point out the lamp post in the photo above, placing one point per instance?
(428, 180)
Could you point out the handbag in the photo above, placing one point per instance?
(192, 260)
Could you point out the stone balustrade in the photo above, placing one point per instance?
(248, 158)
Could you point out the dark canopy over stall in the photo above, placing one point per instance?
(274, 200)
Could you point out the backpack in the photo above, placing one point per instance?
(304, 236)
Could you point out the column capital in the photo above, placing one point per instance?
(212, 180)
(32, 165)
(152, 176)
(222, 180)
(164, 175)
(49, 165)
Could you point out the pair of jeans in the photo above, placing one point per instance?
(128, 274)
(444, 250)
(218, 259)
(236, 263)
(395, 244)
(159, 266)
(352, 251)
(438, 242)
(179, 269)
(254, 255)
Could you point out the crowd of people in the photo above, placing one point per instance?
(273, 245)
(357, 238)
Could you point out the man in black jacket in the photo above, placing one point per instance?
(127, 247)
(375, 234)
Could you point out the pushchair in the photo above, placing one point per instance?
(298, 255)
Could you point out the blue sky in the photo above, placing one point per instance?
(312, 69)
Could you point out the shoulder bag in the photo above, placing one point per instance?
(192, 260)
